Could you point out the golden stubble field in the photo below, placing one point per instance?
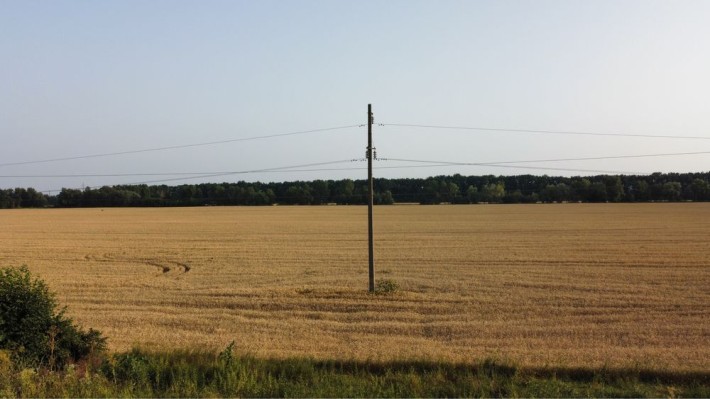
(565, 284)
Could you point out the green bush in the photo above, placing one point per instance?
(34, 331)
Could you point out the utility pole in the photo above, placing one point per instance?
(370, 195)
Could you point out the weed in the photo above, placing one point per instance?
(386, 286)
(227, 355)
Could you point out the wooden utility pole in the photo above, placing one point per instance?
(370, 196)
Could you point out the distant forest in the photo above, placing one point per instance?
(456, 189)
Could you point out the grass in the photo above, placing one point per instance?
(202, 374)
(620, 286)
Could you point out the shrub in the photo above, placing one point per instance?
(32, 328)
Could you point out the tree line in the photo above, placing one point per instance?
(455, 189)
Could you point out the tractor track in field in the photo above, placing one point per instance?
(168, 266)
(165, 266)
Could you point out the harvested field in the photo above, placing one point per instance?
(568, 284)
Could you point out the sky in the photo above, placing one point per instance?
(83, 78)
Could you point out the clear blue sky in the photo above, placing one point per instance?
(88, 77)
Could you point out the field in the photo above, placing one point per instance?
(574, 285)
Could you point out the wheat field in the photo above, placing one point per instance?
(594, 285)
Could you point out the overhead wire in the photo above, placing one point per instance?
(295, 168)
(187, 176)
(219, 174)
(192, 145)
(290, 169)
(174, 147)
(440, 164)
(553, 159)
(557, 132)
(514, 164)
(282, 168)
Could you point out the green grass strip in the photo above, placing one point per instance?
(201, 374)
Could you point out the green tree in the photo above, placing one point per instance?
(493, 192)
(321, 192)
(597, 192)
(270, 196)
(580, 188)
(385, 198)
(299, 194)
(30, 198)
(556, 193)
(344, 191)
(449, 191)
(642, 191)
(70, 198)
(4, 200)
(614, 188)
(217, 194)
(472, 194)
(700, 189)
(672, 191)
(430, 194)
(513, 197)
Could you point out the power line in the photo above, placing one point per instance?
(174, 147)
(379, 167)
(558, 132)
(558, 159)
(432, 165)
(290, 169)
(493, 165)
(512, 164)
(281, 168)
(195, 174)
(218, 174)
(610, 157)
(340, 128)
(198, 174)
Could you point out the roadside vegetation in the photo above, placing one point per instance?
(201, 374)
